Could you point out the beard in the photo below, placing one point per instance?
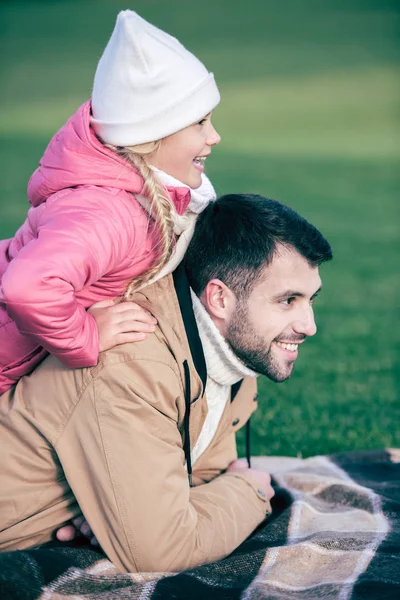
(252, 349)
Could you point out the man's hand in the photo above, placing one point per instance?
(121, 322)
(77, 527)
(261, 480)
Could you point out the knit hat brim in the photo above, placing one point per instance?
(166, 121)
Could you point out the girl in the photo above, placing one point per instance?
(113, 204)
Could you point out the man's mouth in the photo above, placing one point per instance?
(291, 347)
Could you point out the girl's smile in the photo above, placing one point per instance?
(199, 162)
(183, 154)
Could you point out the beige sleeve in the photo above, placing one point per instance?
(216, 458)
(123, 458)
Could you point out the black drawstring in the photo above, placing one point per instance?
(235, 389)
(248, 451)
(186, 445)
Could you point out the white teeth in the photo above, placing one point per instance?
(291, 347)
(200, 159)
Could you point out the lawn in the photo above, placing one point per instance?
(309, 116)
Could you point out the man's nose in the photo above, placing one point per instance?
(305, 324)
(213, 136)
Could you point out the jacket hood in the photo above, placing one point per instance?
(76, 157)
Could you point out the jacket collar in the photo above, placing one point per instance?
(180, 197)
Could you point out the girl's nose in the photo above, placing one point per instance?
(213, 136)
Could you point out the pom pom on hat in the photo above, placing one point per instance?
(147, 85)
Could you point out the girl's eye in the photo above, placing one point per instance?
(202, 122)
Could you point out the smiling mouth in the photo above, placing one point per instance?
(290, 347)
(200, 160)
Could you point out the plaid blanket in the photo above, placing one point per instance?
(334, 533)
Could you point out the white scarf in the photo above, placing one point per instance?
(223, 366)
(183, 224)
(199, 197)
(223, 370)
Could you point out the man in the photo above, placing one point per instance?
(144, 443)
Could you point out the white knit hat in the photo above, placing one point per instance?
(147, 85)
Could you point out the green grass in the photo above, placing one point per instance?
(309, 115)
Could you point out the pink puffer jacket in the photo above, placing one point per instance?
(84, 239)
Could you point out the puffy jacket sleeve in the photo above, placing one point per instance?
(123, 458)
(78, 241)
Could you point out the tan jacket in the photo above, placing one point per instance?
(110, 438)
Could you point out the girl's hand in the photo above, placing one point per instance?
(77, 527)
(121, 322)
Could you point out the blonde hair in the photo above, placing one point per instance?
(161, 208)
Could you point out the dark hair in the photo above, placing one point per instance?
(236, 237)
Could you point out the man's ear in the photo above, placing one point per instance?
(220, 303)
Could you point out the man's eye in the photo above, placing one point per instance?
(288, 301)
